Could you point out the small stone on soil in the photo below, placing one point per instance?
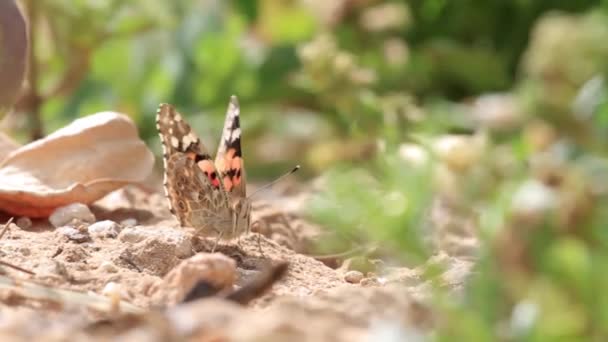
(215, 269)
(113, 290)
(108, 266)
(130, 222)
(24, 222)
(73, 234)
(353, 277)
(72, 212)
(104, 229)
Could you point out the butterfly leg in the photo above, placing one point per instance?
(217, 242)
(257, 223)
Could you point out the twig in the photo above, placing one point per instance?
(6, 225)
(34, 291)
(18, 268)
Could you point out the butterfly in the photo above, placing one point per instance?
(203, 194)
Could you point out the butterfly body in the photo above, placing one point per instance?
(206, 195)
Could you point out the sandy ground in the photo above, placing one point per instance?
(126, 279)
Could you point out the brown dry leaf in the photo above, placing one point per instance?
(81, 162)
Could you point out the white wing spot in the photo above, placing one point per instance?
(178, 117)
(189, 139)
(174, 142)
(235, 134)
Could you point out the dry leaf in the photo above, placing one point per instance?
(81, 162)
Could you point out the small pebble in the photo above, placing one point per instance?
(130, 222)
(25, 251)
(73, 234)
(369, 282)
(216, 269)
(24, 222)
(109, 267)
(353, 277)
(104, 229)
(75, 211)
(112, 290)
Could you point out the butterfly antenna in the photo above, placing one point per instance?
(275, 181)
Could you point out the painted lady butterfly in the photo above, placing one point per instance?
(205, 195)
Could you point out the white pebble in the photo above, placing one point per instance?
(73, 234)
(109, 267)
(75, 211)
(353, 277)
(112, 290)
(130, 222)
(104, 229)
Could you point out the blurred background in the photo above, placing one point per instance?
(497, 108)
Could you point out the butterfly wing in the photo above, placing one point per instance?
(229, 158)
(194, 200)
(195, 193)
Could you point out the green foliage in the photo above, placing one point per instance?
(389, 193)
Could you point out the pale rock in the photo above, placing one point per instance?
(353, 277)
(72, 212)
(104, 229)
(108, 266)
(115, 292)
(73, 234)
(215, 269)
(130, 222)
(24, 222)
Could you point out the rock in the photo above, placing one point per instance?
(108, 266)
(182, 242)
(216, 269)
(73, 234)
(104, 229)
(69, 213)
(24, 222)
(130, 222)
(114, 291)
(366, 282)
(353, 277)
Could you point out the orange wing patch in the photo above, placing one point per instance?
(233, 164)
(206, 165)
